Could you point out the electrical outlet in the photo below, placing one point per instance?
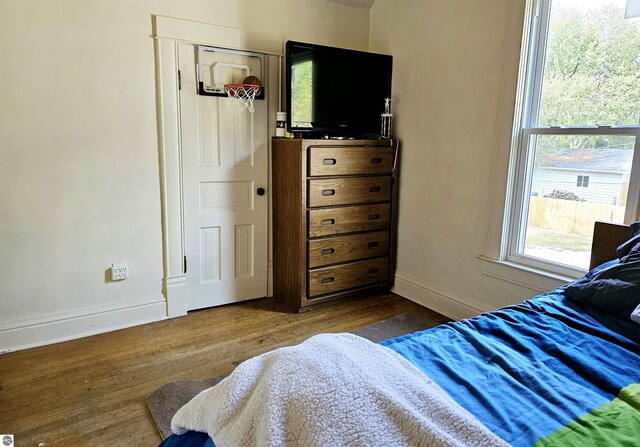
(119, 271)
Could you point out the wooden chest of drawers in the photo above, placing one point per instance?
(334, 208)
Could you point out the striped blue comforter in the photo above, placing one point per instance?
(539, 372)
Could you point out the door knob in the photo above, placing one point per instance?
(260, 191)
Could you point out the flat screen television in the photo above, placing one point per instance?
(335, 91)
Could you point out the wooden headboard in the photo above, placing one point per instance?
(607, 237)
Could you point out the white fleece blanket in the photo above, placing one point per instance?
(331, 390)
(635, 315)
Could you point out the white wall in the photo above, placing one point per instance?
(79, 181)
(454, 85)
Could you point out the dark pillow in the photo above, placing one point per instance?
(614, 289)
(631, 244)
(612, 296)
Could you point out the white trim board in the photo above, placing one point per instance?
(51, 317)
(538, 281)
(194, 32)
(436, 299)
(78, 326)
(176, 288)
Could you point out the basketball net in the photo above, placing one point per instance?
(241, 96)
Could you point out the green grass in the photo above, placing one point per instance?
(544, 238)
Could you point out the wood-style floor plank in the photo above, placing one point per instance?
(91, 391)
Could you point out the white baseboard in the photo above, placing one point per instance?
(72, 327)
(434, 298)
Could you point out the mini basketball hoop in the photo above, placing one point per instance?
(241, 96)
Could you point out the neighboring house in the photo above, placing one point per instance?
(600, 176)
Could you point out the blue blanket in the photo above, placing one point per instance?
(525, 371)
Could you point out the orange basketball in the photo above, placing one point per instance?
(254, 80)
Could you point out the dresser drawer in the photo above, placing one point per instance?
(348, 248)
(349, 160)
(349, 219)
(347, 276)
(348, 190)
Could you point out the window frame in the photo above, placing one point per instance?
(526, 129)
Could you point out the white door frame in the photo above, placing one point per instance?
(167, 33)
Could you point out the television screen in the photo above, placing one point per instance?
(335, 91)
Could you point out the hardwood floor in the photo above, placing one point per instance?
(92, 391)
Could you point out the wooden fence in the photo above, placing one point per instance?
(571, 216)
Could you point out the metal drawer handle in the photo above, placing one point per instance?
(328, 280)
(372, 271)
(329, 161)
(373, 244)
(328, 192)
(374, 216)
(328, 251)
(374, 189)
(376, 160)
(328, 222)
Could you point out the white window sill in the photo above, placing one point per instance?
(539, 281)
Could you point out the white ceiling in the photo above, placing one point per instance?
(364, 4)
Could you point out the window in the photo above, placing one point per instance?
(583, 181)
(578, 111)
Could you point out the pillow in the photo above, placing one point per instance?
(631, 244)
(612, 296)
(614, 289)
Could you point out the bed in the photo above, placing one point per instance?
(561, 369)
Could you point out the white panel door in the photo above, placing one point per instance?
(224, 163)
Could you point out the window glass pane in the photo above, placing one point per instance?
(560, 212)
(302, 84)
(592, 65)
